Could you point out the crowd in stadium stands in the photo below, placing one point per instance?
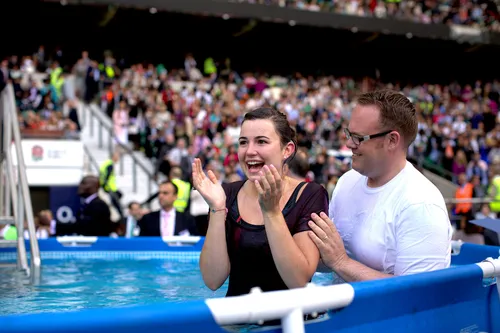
(46, 104)
(176, 115)
(47, 108)
(470, 13)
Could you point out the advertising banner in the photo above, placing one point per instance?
(64, 203)
(52, 162)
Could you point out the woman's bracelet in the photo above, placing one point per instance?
(213, 211)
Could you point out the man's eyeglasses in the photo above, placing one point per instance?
(357, 139)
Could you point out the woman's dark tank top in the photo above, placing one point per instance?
(252, 263)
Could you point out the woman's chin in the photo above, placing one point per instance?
(252, 176)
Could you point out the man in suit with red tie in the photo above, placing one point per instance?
(167, 221)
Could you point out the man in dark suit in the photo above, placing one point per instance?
(95, 216)
(167, 221)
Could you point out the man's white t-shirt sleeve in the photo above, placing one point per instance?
(423, 238)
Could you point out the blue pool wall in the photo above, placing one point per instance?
(452, 300)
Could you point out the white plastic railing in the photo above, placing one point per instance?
(491, 269)
(288, 305)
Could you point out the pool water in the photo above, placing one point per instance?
(69, 285)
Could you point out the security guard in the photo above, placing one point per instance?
(184, 189)
(107, 179)
(494, 193)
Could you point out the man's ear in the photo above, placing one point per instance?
(394, 139)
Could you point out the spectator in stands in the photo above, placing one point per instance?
(135, 214)
(494, 193)
(167, 221)
(476, 15)
(177, 153)
(464, 208)
(73, 113)
(298, 167)
(389, 219)
(71, 131)
(42, 226)
(47, 222)
(451, 117)
(478, 167)
(81, 72)
(120, 123)
(162, 164)
(268, 249)
(459, 165)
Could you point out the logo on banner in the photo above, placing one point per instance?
(37, 153)
(65, 215)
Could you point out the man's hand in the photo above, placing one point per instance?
(326, 237)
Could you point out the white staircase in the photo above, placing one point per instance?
(95, 136)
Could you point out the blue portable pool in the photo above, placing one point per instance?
(161, 279)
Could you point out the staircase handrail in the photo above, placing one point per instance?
(105, 123)
(21, 198)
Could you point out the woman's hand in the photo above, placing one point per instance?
(269, 187)
(209, 187)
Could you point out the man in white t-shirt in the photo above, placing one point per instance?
(389, 219)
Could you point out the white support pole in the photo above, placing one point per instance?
(293, 322)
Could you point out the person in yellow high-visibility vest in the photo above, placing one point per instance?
(57, 79)
(184, 189)
(107, 179)
(108, 70)
(494, 193)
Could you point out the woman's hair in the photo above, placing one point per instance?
(286, 133)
